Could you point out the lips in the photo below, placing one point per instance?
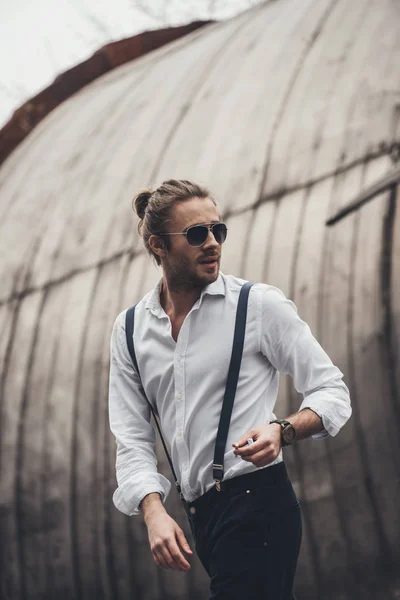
(209, 261)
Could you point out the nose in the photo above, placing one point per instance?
(210, 242)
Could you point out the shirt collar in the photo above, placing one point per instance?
(217, 288)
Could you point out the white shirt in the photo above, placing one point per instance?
(185, 383)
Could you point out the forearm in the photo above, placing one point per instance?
(137, 477)
(289, 345)
(267, 437)
(167, 540)
(150, 504)
(306, 423)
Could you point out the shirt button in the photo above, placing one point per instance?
(185, 466)
(180, 433)
(179, 396)
(179, 358)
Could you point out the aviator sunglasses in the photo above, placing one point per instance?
(196, 235)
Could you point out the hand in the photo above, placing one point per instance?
(266, 446)
(167, 542)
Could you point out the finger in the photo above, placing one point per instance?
(167, 560)
(243, 440)
(159, 559)
(182, 542)
(250, 449)
(161, 551)
(260, 458)
(177, 560)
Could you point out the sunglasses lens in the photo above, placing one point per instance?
(197, 235)
(219, 230)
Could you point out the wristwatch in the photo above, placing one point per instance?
(288, 432)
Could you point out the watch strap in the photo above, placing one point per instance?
(284, 424)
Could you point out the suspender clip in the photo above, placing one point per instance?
(218, 474)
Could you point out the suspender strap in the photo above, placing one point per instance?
(129, 327)
(231, 384)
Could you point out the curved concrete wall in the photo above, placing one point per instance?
(286, 112)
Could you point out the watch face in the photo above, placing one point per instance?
(289, 434)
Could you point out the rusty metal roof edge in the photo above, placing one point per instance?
(107, 58)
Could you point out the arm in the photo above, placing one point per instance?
(139, 483)
(287, 342)
(166, 538)
(129, 414)
(306, 423)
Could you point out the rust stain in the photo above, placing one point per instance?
(110, 56)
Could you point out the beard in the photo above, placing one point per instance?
(182, 276)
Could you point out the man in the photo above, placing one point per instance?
(248, 534)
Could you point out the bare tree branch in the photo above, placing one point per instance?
(211, 7)
(166, 13)
(77, 34)
(91, 17)
(153, 13)
(50, 53)
(9, 92)
(19, 89)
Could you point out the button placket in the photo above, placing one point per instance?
(179, 372)
(179, 392)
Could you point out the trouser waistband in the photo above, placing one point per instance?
(275, 474)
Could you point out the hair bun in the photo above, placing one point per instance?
(141, 201)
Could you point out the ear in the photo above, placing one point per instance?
(157, 244)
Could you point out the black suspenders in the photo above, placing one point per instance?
(231, 384)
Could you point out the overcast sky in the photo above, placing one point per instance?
(42, 38)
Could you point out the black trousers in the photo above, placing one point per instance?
(248, 535)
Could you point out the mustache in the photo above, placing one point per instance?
(210, 257)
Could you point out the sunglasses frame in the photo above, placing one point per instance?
(209, 227)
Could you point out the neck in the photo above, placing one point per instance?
(177, 302)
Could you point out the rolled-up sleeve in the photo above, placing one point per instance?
(129, 415)
(288, 343)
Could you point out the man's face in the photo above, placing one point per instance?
(185, 266)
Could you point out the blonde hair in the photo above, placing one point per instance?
(153, 207)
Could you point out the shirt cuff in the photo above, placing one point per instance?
(128, 496)
(331, 428)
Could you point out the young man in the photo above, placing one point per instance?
(247, 534)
